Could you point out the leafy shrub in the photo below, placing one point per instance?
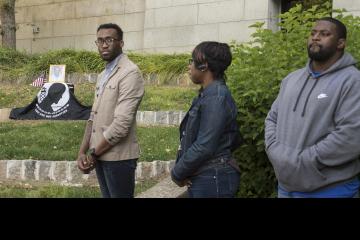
(24, 67)
(254, 79)
(162, 67)
(9, 60)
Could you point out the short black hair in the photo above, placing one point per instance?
(217, 56)
(119, 31)
(340, 27)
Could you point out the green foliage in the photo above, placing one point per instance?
(76, 61)
(254, 79)
(162, 67)
(309, 3)
(10, 60)
(10, 57)
(25, 67)
(353, 33)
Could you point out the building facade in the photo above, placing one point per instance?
(352, 6)
(149, 25)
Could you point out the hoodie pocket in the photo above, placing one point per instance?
(306, 177)
(293, 169)
(273, 152)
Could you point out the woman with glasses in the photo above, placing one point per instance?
(209, 132)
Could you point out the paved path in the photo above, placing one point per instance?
(164, 189)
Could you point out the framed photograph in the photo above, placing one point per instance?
(57, 73)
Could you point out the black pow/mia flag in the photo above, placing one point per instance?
(54, 102)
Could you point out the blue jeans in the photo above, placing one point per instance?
(220, 181)
(280, 195)
(348, 189)
(116, 178)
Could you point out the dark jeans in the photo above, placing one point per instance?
(116, 178)
(221, 181)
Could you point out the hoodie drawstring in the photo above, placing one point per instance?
(300, 93)
(308, 96)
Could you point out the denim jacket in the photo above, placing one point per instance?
(209, 130)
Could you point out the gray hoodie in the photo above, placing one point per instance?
(312, 132)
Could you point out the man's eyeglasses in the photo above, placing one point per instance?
(108, 41)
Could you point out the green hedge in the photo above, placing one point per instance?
(15, 65)
(255, 77)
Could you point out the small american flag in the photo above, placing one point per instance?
(39, 82)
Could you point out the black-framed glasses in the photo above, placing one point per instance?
(108, 41)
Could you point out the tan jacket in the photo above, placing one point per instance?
(114, 112)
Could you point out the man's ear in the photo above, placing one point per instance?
(122, 43)
(341, 44)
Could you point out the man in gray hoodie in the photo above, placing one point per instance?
(312, 132)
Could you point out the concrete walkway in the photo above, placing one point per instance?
(165, 189)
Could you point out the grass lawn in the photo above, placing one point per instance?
(163, 98)
(156, 98)
(60, 140)
(26, 190)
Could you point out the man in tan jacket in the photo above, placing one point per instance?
(110, 144)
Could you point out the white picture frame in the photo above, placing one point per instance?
(57, 73)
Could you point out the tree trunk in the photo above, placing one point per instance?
(8, 27)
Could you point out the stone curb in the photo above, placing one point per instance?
(152, 79)
(67, 173)
(161, 118)
(146, 118)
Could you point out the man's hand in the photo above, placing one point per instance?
(85, 163)
(81, 162)
(91, 161)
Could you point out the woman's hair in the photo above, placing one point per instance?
(217, 56)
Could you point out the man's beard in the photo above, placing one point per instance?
(322, 55)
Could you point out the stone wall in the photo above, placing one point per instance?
(67, 173)
(149, 25)
(144, 118)
(55, 24)
(352, 6)
(150, 79)
(178, 25)
(160, 118)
